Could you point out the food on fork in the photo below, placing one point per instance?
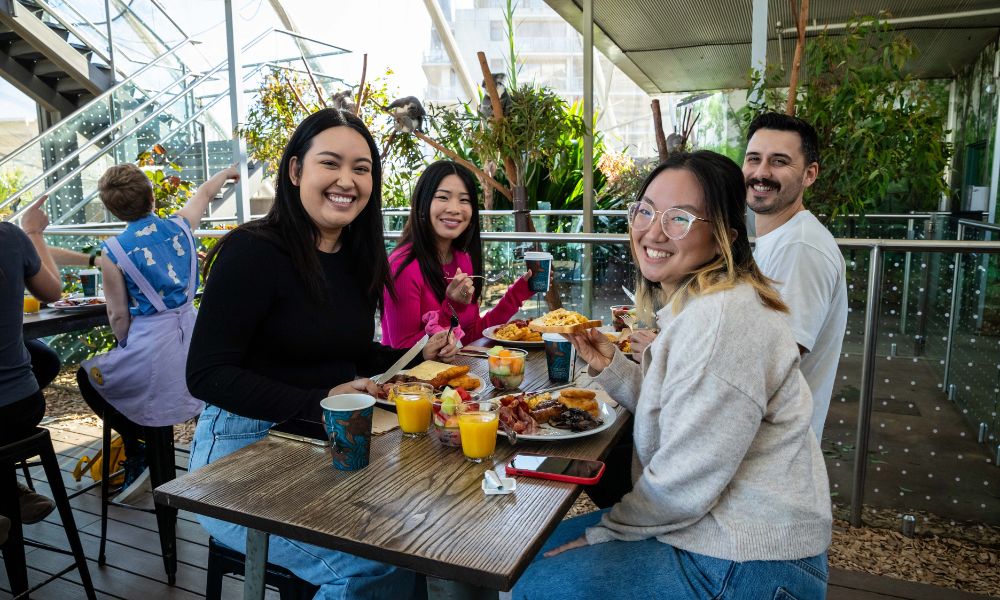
(563, 321)
(623, 343)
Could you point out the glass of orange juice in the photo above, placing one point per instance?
(477, 424)
(413, 407)
(31, 304)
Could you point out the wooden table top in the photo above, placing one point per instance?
(49, 321)
(417, 505)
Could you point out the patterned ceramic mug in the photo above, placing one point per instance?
(348, 421)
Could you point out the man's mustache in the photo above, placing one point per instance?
(768, 182)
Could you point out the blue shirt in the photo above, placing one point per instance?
(159, 248)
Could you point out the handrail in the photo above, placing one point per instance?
(978, 225)
(620, 238)
(64, 179)
(623, 213)
(104, 95)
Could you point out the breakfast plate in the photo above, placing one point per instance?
(490, 334)
(79, 304)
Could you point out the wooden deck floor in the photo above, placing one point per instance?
(134, 569)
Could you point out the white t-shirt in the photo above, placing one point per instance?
(804, 259)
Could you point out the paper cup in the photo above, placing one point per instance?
(559, 357)
(540, 264)
(348, 421)
(90, 281)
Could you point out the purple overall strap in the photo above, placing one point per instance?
(193, 278)
(137, 278)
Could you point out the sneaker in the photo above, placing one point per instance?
(135, 489)
(4, 529)
(34, 506)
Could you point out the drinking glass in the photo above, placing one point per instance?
(31, 304)
(413, 407)
(477, 422)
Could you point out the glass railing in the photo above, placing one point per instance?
(924, 453)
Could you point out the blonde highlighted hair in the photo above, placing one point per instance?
(724, 190)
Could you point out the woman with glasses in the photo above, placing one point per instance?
(730, 495)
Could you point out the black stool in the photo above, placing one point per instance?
(38, 444)
(160, 459)
(223, 559)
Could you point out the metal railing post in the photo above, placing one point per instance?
(111, 39)
(903, 311)
(867, 382)
(956, 282)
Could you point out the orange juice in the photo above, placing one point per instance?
(31, 304)
(479, 434)
(414, 412)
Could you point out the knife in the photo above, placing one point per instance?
(402, 362)
(628, 293)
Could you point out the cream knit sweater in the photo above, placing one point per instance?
(726, 464)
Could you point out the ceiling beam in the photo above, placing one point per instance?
(573, 15)
(968, 14)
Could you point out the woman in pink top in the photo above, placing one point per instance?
(439, 249)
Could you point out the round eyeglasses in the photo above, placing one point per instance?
(675, 222)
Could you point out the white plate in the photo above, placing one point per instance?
(74, 304)
(472, 393)
(547, 433)
(489, 331)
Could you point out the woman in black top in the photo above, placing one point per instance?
(288, 318)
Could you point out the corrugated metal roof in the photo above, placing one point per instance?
(683, 45)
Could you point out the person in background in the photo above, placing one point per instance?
(288, 318)
(730, 496)
(25, 262)
(438, 253)
(150, 275)
(795, 250)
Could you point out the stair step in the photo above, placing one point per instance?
(68, 85)
(46, 68)
(23, 50)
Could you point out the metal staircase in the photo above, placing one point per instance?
(183, 111)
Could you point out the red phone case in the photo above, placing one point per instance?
(556, 477)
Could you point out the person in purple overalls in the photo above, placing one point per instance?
(150, 275)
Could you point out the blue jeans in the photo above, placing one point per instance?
(339, 575)
(652, 569)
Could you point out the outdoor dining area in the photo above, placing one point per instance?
(290, 329)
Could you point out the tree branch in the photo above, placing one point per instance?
(468, 165)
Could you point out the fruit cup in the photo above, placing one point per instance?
(444, 416)
(506, 367)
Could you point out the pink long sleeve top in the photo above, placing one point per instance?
(416, 311)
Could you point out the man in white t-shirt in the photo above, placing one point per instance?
(795, 249)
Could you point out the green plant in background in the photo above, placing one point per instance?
(10, 182)
(170, 192)
(284, 98)
(882, 133)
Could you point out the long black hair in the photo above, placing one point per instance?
(289, 226)
(419, 231)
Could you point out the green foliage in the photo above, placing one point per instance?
(170, 192)
(10, 182)
(882, 133)
(285, 98)
(533, 133)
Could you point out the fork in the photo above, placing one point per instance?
(453, 323)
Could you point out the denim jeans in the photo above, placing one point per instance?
(651, 569)
(340, 575)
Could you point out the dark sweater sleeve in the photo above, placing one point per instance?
(238, 295)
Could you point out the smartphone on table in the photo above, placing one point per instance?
(556, 468)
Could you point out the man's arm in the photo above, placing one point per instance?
(45, 284)
(196, 206)
(69, 258)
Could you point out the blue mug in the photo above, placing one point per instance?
(559, 358)
(348, 422)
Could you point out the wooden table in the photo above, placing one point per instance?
(49, 321)
(417, 505)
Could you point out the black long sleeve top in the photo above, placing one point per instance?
(262, 349)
